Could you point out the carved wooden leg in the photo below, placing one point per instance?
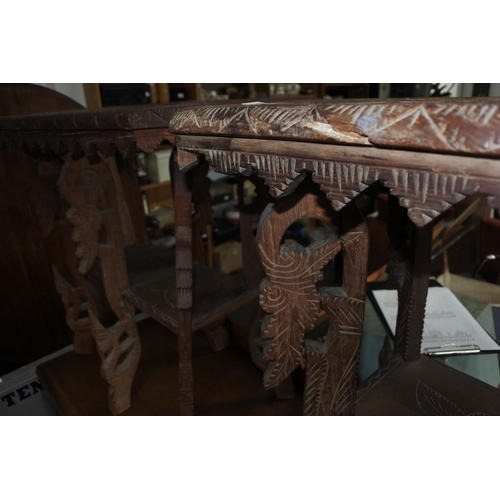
(413, 294)
(398, 228)
(119, 349)
(77, 306)
(184, 282)
(331, 367)
(217, 335)
(89, 190)
(409, 258)
(289, 292)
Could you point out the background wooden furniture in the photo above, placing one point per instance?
(133, 275)
(30, 302)
(162, 93)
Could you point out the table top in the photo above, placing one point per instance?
(137, 117)
(452, 125)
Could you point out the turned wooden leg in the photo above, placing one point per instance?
(217, 335)
(184, 279)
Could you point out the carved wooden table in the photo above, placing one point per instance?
(74, 151)
(430, 154)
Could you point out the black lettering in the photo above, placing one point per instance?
(22, 394)
(9, 398)
(36, 386)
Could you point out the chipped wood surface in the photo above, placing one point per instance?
(449, 125)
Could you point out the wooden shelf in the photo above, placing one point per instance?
(154, 185)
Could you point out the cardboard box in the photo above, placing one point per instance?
(228, 257)
(21, 392)
(158, 164)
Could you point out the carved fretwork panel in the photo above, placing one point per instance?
(149, 139)
(77, 307)
(426, 184)
(331, 369)
(282, 174)
(288, 293)
(119, 349)
(425, 194)
(90, 192)
(72, 145)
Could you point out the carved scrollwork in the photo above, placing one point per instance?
(77, 306)
(289, 293)
(119, 349)
(331, 370)
(97, 232)
(83, 214)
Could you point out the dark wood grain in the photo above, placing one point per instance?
(29, 301)
(449, 125)
(425, 387)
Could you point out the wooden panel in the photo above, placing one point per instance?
(24, 98)
(92, 95)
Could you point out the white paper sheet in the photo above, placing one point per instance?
(447, 322)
